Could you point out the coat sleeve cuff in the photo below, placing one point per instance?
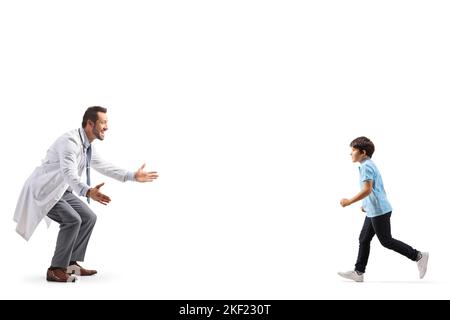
(84, 190)
(130, 176)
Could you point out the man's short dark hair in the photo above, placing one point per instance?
(363, 144)
(91, 114)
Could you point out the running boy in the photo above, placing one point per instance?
(378, 213)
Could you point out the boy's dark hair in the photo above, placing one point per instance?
(363, 144)
(91, 114)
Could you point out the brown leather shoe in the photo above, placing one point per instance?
(79, 270)
(59, 275)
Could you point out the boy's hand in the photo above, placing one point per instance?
(345, 202)
(365, 191)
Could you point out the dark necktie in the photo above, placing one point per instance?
(88, 168)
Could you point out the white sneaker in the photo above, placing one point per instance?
(352, 275)
(422, 264)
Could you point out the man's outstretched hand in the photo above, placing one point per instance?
(144, 176)
(95, 194)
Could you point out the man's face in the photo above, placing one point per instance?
(357, 155)
(100, 126)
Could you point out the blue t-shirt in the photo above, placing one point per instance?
(376, 203)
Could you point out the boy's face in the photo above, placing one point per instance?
(358, 155)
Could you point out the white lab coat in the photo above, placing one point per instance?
(62, 167)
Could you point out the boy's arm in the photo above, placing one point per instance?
(365, 191)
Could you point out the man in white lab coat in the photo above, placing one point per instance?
(50, 193)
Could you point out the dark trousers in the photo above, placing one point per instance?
(380, 226)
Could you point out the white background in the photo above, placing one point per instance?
(246, 109)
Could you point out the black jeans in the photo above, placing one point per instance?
(381, 226)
